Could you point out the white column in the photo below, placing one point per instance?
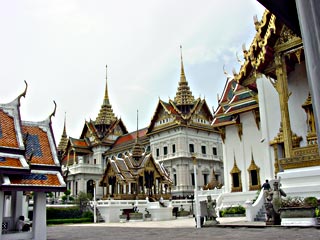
(1, 210)
(309, 19)
(124, 188)
(94, 203)
(129, 188)
(17, 204)
(196, 192)
(39, 225)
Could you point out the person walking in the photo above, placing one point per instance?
(266, 189)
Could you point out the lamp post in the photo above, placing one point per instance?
(94, 203)
(196, 191)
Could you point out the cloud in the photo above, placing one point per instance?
(61, 49)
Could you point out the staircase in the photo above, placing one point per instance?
(98, 214)
(261, 215)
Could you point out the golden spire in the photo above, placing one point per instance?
(106, 115)
(182, 75)
(64, 138)
(183, 95)
(106, 95)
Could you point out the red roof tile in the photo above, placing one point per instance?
(131, 136)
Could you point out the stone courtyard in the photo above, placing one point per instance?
(180, 229)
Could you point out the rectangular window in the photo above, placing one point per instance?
(158, 152)
(205, 179)
(191, 148)
(165, 150)
(203, 150)
(214, 151)
(192, 179)
(173, 148)
(175, 179)
(254, 177)
(235, 180)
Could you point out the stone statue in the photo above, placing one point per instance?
(211, 218)
(273, 204)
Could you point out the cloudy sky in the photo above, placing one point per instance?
(62, 47)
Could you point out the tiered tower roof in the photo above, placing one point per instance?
(106, 115)
(184, 95)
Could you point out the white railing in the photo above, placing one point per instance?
(253, 209)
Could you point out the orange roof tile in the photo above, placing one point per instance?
(10, 162)
(35, 179)
(8, 136)
(80, 143)
(40, 146)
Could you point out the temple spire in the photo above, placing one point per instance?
(137, 125)
(106, 115)
(137, 150)
(184, 95)
(64, 138)
(106, 95)
(182, 75)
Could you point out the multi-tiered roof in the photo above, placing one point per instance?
(28, 156)
(184, 110)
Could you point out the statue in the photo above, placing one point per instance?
(273, 203)
(211, 218)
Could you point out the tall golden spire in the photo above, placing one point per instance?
(184, 95)
(64, 138)
(106, 115)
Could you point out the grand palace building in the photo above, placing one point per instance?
(107, 157)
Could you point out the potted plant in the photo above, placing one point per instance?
(298, 211)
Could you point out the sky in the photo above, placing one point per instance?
(61, 48)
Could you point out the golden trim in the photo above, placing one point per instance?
(254, 167)
(236, 170)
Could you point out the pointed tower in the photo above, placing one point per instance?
(137, 150)
(184, 98)
(106, 115)
(64, 138)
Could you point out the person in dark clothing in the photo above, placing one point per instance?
(266, 189)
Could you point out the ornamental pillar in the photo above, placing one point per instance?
(281, 86)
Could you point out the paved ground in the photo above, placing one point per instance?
(231, 228)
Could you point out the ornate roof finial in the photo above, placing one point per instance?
(137, 125)
(64, 133)
(182, 75)
(106, 95)
(24, 92)
(54, 110)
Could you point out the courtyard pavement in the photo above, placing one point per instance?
(229, 228)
